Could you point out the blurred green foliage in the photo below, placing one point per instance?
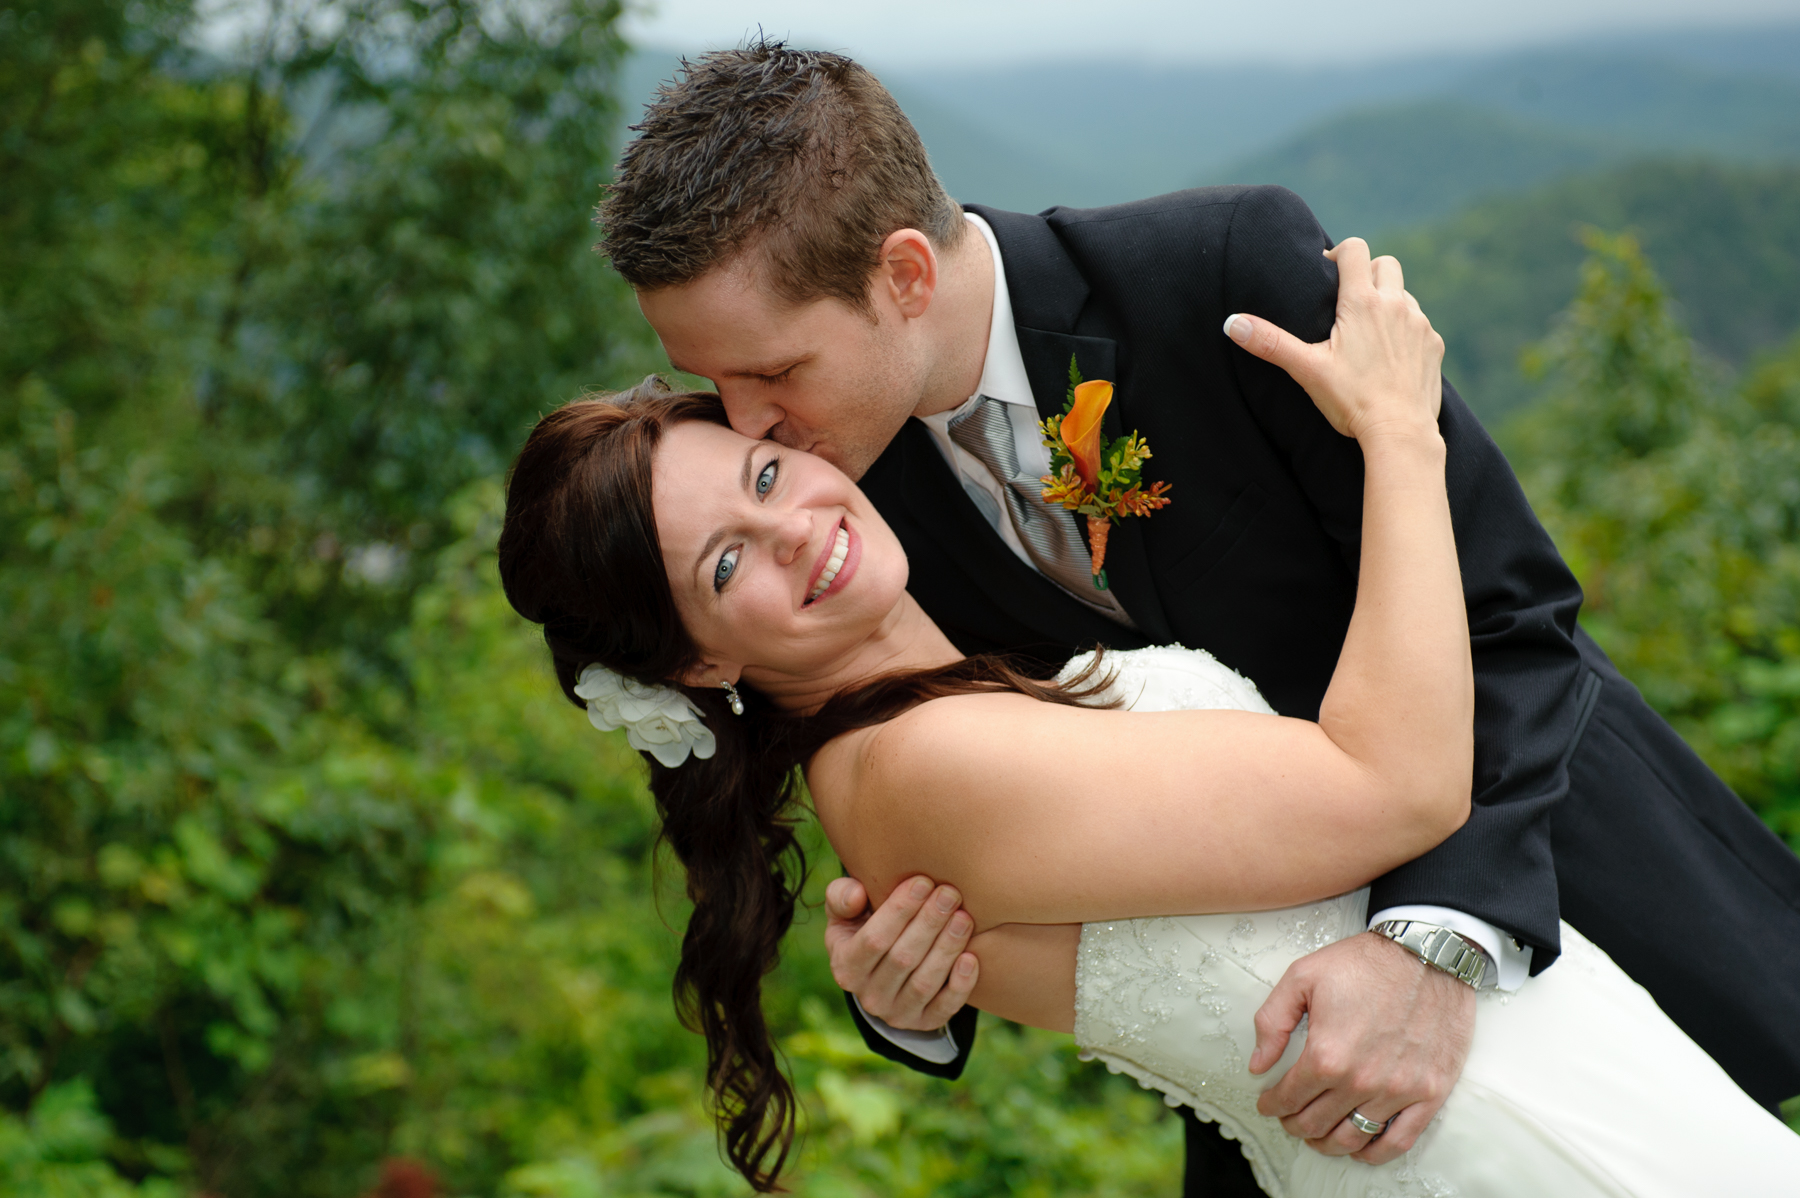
(304, 862)
(305, 865)
(1674, 493)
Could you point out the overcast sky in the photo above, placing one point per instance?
(918, 32)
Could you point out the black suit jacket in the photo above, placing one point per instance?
(1255, 559)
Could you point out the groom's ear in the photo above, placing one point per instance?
(907, 276)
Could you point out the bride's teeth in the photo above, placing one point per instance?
(839, 550)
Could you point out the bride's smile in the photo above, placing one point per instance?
(837, 565)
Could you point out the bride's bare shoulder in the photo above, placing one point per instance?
(954, 737)
(872, 784)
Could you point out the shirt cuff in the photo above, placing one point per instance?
(937, 1047)
(1513, 959)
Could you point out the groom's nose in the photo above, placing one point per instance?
(750, 414)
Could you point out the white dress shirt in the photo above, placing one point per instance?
(1003, 378)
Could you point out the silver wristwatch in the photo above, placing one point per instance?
(1443, 949)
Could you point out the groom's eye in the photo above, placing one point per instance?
(765, 480)
(727, 565)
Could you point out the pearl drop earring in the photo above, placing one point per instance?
(737, 703)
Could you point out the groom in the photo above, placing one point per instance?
(787, 239)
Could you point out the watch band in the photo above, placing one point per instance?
(1442, 949)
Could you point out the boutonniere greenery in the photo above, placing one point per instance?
(1103, 482)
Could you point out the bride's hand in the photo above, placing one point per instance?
(1381, 365)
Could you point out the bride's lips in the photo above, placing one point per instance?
(852, 555)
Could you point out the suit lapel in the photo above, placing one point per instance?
(935, 500)
(1047, 295)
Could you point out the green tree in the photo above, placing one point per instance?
(213, 815)
(60, 1150)
(1675, 496)
(304, 861)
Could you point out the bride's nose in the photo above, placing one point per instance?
(791, 531)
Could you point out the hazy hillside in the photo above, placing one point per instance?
(1647, 103)
(1376, 169)
(1029, 135)
(968, 156)
(1765, 49)
(1115, 131)
(1111, 131)
(1516, 124)
(1725, 239)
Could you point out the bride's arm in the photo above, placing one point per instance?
(1047, 814)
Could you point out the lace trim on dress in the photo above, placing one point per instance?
(1175, 1096)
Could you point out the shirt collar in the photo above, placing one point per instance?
(1003, 374)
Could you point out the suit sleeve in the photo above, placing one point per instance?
(962, 1027)
(1530, 684)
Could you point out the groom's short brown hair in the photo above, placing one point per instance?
(798, 155)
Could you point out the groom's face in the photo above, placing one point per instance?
(819, 376)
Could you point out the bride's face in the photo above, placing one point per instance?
(780, 566)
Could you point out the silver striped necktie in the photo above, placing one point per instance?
(1048, 533)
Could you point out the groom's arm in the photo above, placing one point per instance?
(1522, 599)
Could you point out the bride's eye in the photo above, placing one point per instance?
(765, 480)
(726, 567)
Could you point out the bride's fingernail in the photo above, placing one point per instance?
(1237, 327)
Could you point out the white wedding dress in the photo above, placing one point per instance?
(1576, 1085)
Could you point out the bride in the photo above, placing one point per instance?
(1144, 844)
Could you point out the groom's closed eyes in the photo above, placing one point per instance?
(770, 372)
(775, 376)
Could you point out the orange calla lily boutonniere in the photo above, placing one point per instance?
(1104, 482)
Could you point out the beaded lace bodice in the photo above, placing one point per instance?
(1170, 1001)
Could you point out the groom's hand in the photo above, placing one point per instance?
(905, 962)
(1386, 1036)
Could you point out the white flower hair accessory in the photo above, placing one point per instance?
(658, 720)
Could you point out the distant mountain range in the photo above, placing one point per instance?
(1375, 169)
(1370, 146)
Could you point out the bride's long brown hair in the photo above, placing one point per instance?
(579, 555)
